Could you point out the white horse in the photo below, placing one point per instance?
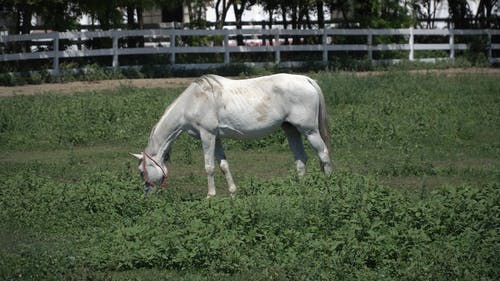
(213, 107)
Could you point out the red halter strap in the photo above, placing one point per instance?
(145, 173)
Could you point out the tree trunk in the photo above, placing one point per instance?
(285, 23)
(130, 17)
(238, 14)
(217, 14)
(294, 24)
(140, 17)
(220, 18)
(133, 24)
(321, 15)
(24, 14)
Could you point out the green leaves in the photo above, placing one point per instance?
(344, 227)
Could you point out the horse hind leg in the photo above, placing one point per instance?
(224, 166)
(319, 145)
(297, 147)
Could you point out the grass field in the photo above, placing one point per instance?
(415, 194)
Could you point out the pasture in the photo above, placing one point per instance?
(415, 194)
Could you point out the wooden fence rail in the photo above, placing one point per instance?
(173, 42)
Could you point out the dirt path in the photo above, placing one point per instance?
(75, 87)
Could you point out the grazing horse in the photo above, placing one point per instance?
(214, 107)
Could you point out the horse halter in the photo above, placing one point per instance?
(145, 172)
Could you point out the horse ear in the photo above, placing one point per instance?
(138, 156)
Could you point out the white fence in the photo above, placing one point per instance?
(172, 42)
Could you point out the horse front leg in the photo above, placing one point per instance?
(208, 142)
(224, 166)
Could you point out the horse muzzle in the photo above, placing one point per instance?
(148, 188)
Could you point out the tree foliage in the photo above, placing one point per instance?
(64, 14)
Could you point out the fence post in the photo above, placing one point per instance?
(490, 43)
(325, 47)
(55, 46)
(115, 36)
(172, 48)
(370, 43)
(412, 45)
(277, 55)
(452, 45)
(226, 47)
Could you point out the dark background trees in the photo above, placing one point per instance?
(63, 15)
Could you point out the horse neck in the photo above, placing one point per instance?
(165, 132)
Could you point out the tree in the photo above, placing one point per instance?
(459, 13)
(321, 14)
(239, 6)
(22, 11)
(221, 9)
(134, 10)
(426, 10)
(271, 7)
(59, 15)
(106, 12)
(485, 12)
(381, 14)
(196, 11)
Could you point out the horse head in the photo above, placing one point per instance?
(153, 172)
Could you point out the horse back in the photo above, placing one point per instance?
(253, 107)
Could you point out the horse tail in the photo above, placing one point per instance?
(322, 116)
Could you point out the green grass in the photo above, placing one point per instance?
(415, 194)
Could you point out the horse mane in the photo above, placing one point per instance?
(210, 83)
